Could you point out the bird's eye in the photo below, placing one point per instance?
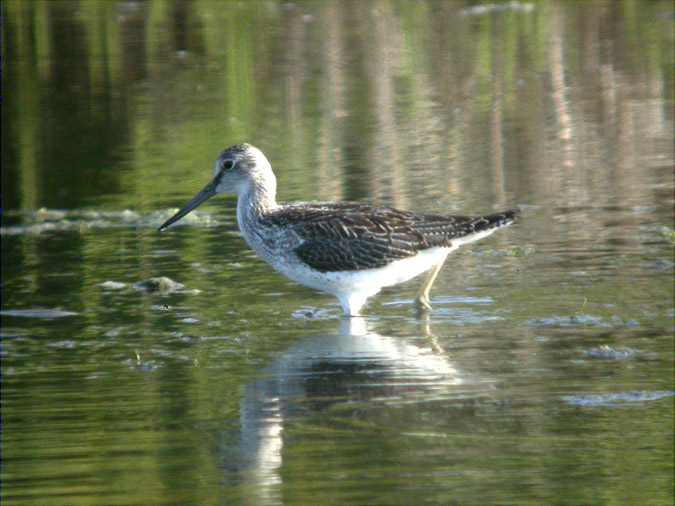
(228, 164)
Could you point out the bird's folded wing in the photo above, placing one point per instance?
(350, 254)
(354, 236)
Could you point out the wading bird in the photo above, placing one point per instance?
(348, 249)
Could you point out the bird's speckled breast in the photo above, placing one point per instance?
(272, 243)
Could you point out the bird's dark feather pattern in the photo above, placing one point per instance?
(352, 236)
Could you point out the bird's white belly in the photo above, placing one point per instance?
(367, 281)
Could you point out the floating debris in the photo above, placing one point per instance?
(113, 332)
(47, 314)
(462, 299)
(581, 320)
(112, 285)
(161, 285)
(66, 344)
(194, 218)
(661, 265)
(569, 321)
(617, 399)
(44, 214)
(607, 352)
(619, 322)
(143, 366)
(58, 220)
(130, 216)
(311, 313)
(479, 10)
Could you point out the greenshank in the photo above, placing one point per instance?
(351, 250)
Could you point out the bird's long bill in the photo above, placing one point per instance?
(204, 195)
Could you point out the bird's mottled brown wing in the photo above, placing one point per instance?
(352, 236)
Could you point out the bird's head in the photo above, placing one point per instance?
(238, 170)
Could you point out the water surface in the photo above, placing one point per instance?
(544, 374)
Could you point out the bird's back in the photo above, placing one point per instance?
(348, 236)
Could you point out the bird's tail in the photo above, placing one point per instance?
(497, 220)
(482, 226)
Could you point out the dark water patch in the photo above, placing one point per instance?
(664, 265)
(513, 251)
(668, 234)
(313, 313)
(458, 316)
(143, 365)
(8, 333)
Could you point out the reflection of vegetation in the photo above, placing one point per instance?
(126, 104)
(668, 234)
(183, 80)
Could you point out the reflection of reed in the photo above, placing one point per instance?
(559, 89)
(407, 147)
(383, 31)
(295, 74)
(497, 120)
(332, 105)
(423, 129)
(24, 189)
(453, 66)
(389, 99)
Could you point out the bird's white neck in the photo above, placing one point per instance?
(255, 199)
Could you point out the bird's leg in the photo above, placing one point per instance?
(422, 299)
(425, 330)
(352, 303)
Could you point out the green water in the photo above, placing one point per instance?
(544, 374)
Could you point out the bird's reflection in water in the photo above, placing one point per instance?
(354, 366)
